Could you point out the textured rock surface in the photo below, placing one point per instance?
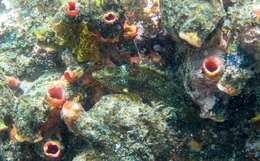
(123, 128)
(191, 21)
(7, 100)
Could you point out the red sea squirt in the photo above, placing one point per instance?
(110, 18)
(72, 8)
(71, 111)
(12, 82)
(256, 10)
(52, 149)
(130, 31)
(56, 96)
(69, 76)
(212, 67)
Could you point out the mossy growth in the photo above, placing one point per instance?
(2, 125)
(63, 1)
(87, 49)
(77, 36)
(256, 118)
(98, 3)
(40, 33)
(145, 81)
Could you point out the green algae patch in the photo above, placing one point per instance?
(63, 1)
(41, 32)
(2, 125)
(87, 49)
(255, 119)
(145, 81)
(67, 34)
(77, 37)
(98, 3)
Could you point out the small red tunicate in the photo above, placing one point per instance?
(130, 31)
(110, 18)
(256, 10)
(12, 82)
(52, 149)
(211, 66)
(72, 8)
(56, 96)
(71, 111)
(69, 76)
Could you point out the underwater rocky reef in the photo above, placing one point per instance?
(130, 80)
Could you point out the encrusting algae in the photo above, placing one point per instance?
(82, 42)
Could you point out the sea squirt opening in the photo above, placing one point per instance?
(68, 75)
(72, 8)
(56, 96)
(52, 149)
(56, 92)
(12, 82)
(211, 66)
(130, 30)
(70, 112)
(72, 5)
(110, 18)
